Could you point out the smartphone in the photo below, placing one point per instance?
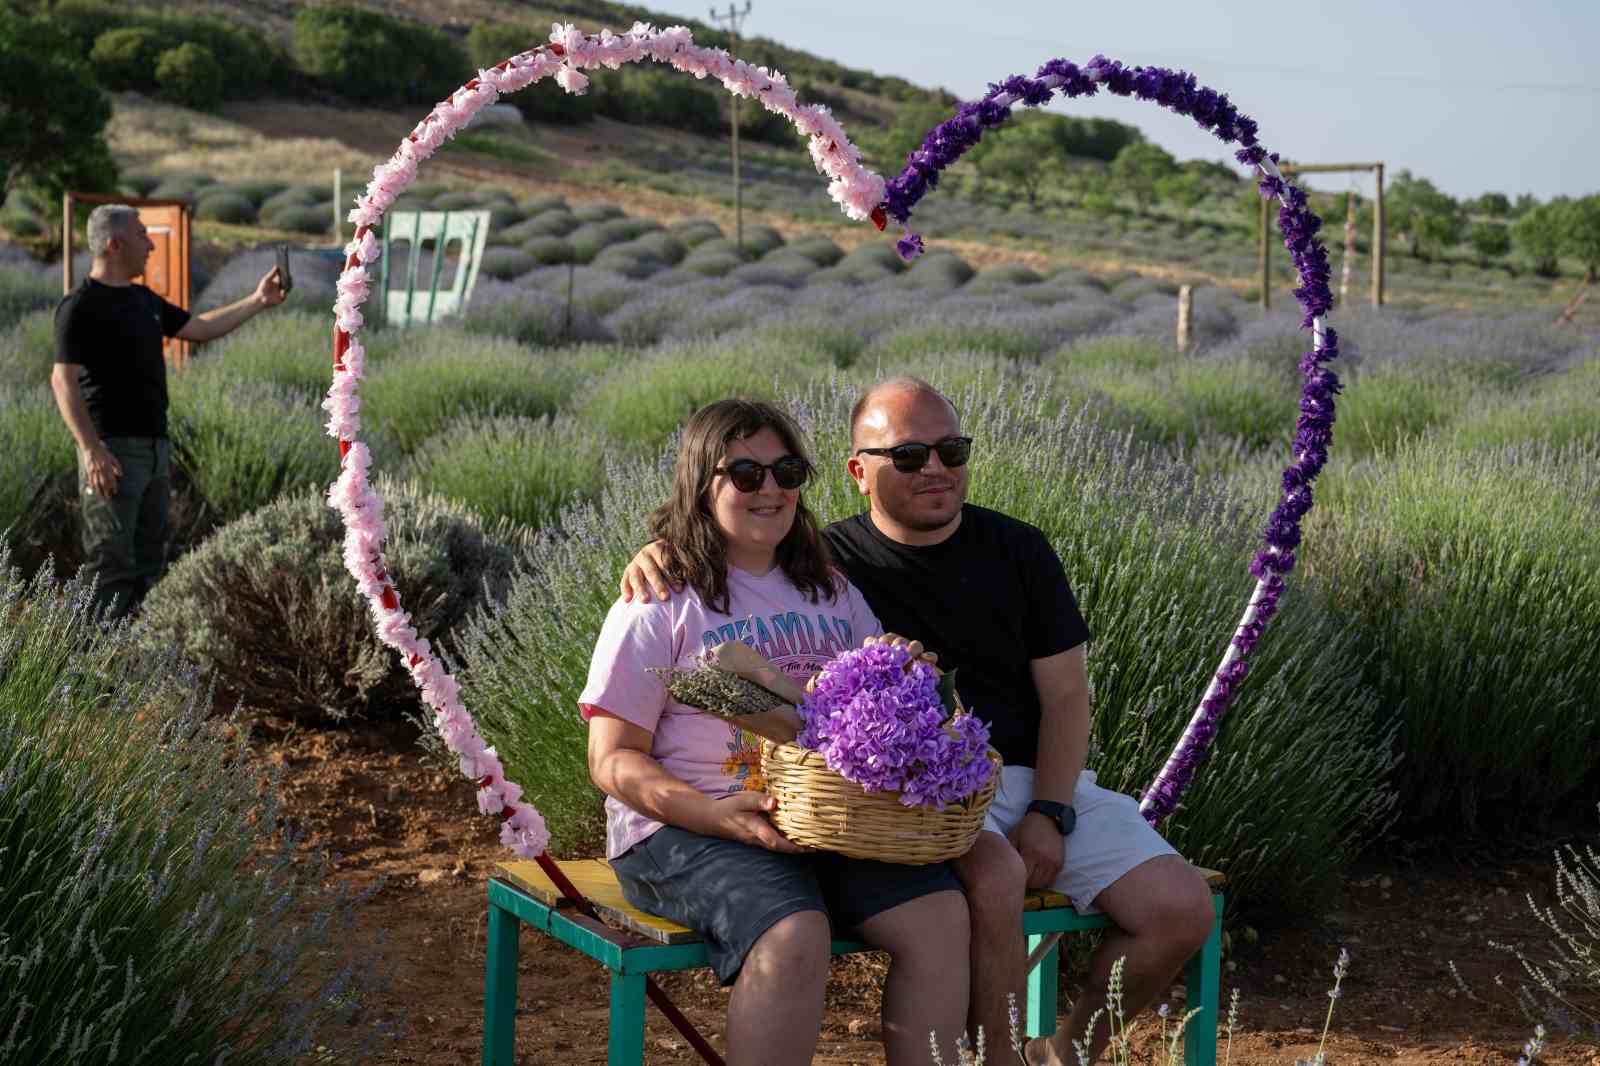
(284, 279)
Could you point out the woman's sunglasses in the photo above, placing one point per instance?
(912, 456)
(747, 475)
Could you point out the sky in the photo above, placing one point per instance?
(1476, 95)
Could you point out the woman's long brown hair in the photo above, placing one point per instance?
(693, 547)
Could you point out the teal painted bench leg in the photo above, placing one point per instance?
(1041, 1018)
(1203, 979)
(625, 1046)
(500, 989)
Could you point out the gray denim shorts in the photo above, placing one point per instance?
(731, 893)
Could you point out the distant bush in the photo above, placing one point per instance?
(28, 348)
(714, 264)
(365, 55)
(548, 250)
(456, 201)
(258, 192)
(23, 290)
(657, 98)
(663, 246)
(820, 250)
(695, 231)
(292, 196)
(174, 189)
(1003, 277)
(190, 75)
(528, 316)
(597, 212)
(591, 238)
(226, 207)
(156, 911)
(125, 58)
(522, 470)
(506, 263)
(627, 260)
(288, 349)
(553, 223)
(293, 632)
(311, 219)
(255, 64)
(34, 447)
(550, 103)
(538, 205)
(759, 240)
(1557, 412)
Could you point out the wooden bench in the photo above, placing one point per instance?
(632, 944)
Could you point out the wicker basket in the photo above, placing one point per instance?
(819, 808)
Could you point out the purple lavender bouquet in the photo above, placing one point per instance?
(883, 724)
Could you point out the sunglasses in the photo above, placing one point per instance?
(912, 456)
(747, 475)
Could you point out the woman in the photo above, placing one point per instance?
(687, 830)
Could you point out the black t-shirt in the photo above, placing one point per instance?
(989, 600)
(114, 332)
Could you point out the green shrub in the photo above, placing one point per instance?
(291, 197)
(126, 58)
(695, 231)
(23, 291)
(1387, 404)
(288, 349)
(243, 443)
(226, 207)
(190, 75)
(523, 470)
(258, 192)
(589, 239)
(548, 102)
(28, 349)
(153, 909)
(628, 261)
(1556, 412)
(20, 225)
(446, 373)
(820, 250)
(456, 201)
(256, 65)
(506, 263)
(311, 219)
(538, 205)
(876, 257)
(174, 189)
(554, 223)
(140, 184)
(641, 403)
(35, 447)
(714, 264)
(365, 55)
(1469, 575)
(653, 97)
(1194, 399)
(759, 240)
(1004, 276)
(547, 251)
(597, 212)
(937, 271)
(293, 634)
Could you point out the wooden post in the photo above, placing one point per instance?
(734, 19)
(1377, 242)
(66, 243)
(1185, 316)
(1265, 253)
(1349, 247)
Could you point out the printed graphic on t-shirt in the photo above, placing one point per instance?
(743, 763)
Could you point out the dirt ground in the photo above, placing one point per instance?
(366, 795)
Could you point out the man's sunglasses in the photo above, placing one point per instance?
(747, 475)
(912, 456)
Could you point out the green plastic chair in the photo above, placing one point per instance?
(407, 305)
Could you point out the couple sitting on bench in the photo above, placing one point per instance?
(738, 555)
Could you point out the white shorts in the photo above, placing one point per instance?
(1111, 836)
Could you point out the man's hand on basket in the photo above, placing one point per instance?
(644, 575)
(743, 817)
(1042, 848)
(913, 648)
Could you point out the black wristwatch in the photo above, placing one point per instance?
(1060, 813)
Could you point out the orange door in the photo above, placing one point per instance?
(167, 274)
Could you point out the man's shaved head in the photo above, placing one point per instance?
(868, 409)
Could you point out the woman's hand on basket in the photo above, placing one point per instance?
(743, 817)
(913, 648)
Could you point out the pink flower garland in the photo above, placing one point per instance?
(856, 189)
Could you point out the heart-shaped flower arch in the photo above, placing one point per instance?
(857, 190)
(1179, 92)
(861, 194)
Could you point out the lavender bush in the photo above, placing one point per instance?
(291, 633)
(148, 912)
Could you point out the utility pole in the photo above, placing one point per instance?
(732, 20)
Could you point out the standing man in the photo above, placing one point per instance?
(110, 384)
(989, 596)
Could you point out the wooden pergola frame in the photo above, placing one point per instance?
(1265, 229)
(177, 350)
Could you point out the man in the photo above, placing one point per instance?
(988, 595)
(110, 384)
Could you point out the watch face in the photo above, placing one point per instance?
(1067, 820)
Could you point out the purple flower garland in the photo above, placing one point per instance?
(1179, 92)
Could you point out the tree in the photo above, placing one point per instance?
(1581, 222)
(1493, 204)
(1138, 167)
(911, 124)
(1538, 235)
(1490, 240)
(1428, 219)
(53, 114)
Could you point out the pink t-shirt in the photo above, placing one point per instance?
(719, 759)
